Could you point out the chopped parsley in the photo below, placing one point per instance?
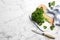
(44, 27)
(37, 16)
(51, 3)
(52, 27)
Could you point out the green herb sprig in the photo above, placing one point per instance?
(51, 3)
(37, 16)
(52, 27)
(44, 27)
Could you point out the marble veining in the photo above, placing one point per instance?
(14, 20)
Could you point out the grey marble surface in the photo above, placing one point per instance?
(15, 23)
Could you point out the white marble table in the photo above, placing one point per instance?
(15, 23)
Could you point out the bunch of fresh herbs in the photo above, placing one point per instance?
(38, 17)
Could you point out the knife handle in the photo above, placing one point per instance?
(49, 35)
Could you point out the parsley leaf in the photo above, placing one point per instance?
(44, 27)
(51, 3)
(52, 27)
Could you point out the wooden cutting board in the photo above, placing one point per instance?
(50, 19)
